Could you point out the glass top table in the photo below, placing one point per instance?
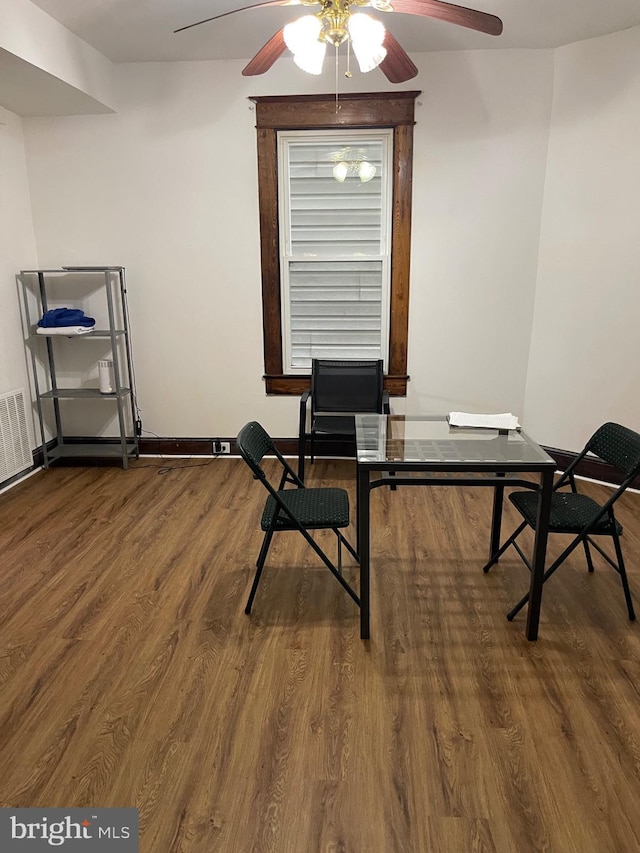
(401, 446)
(430, 440)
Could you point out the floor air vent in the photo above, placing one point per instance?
(15, 453)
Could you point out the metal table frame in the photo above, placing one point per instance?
(488, 472)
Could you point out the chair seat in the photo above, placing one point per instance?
(570, 512)
(338, 424)
(314, 509)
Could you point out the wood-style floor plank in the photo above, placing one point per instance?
(130, 675)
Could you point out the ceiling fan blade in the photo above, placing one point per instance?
(243, 9)
(397, 66)
(471, 18)
(266, 56)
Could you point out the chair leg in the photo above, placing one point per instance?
(512, 613)
(302, 446)
(504, 547)
(254, 587)
(623, 576)
(329, 564)
(266, 542)
(348, 546)
(587, 553)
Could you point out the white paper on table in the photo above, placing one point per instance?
(504, 420)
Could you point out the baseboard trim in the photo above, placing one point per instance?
(203, 446)
(594, 469)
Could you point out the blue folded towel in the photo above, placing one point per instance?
(65, 317)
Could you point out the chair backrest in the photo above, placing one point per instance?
(618, 446)
(340, 385)
(253, 443)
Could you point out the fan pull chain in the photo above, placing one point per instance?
(337, 79)
(348, 73)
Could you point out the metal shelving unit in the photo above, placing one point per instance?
(49, 385)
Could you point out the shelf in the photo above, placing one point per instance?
(63, 270)
(101, 292)
(79, 393)
(85, 336)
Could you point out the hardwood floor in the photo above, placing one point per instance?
(131, 676)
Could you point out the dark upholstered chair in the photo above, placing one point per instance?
(580, 515)
(294, 508)
(339, 390)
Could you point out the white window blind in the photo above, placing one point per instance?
(334, 245)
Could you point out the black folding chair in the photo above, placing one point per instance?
(580, 515)
(296, 508)
(340, 389)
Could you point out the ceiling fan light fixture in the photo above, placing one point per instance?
(337, 25)
(299, 34)
(311, 59)
(302, 37)
(367, 37)
(368, 58)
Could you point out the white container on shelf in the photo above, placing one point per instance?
(105, 370)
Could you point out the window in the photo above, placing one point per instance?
(335, 237)
(383, 120)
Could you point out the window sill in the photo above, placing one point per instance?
(281, 384)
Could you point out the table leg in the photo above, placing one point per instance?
(539, 554)
(496, 519)
(363, 550)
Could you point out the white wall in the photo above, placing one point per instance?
(480, 156)
(168, 187)
(17, 251)
(585, 344)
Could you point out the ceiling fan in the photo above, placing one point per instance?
(340, 21)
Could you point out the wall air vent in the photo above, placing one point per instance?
(15, 453)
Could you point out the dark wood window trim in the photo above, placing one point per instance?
(318, 112)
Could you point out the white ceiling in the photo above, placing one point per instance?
(142, 30)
